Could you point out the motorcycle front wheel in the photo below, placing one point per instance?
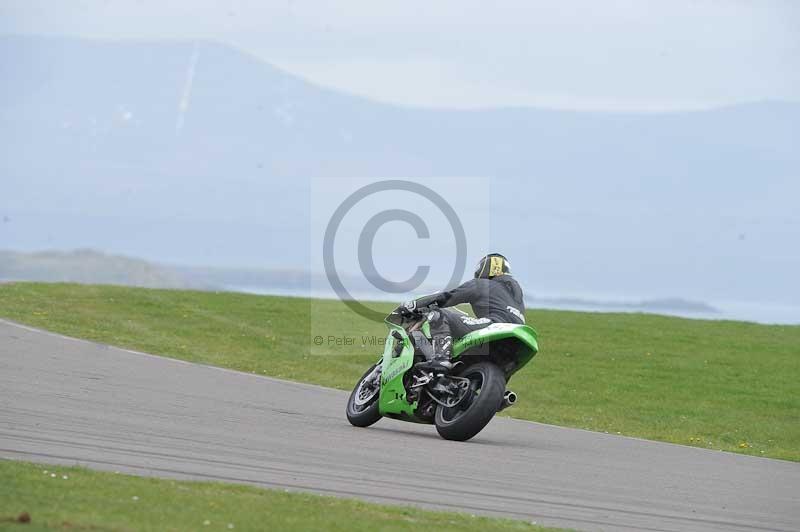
(362, 406)
(470, 416)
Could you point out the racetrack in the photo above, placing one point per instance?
(74, 402)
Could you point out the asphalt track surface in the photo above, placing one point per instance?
(69, 401)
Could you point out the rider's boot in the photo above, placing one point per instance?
(440, 363)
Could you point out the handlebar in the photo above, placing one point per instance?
(423, 311)
(421, 315)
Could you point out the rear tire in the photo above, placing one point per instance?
(363, 415)
(462, 422)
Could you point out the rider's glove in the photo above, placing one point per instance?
(410, 306)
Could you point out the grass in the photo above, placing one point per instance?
(92, 500)
(716, 384)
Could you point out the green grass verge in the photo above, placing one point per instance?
(92, 500)
(717, 384)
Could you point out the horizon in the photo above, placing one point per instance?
(305, 284)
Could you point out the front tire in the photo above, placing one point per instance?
(362, 406)
(463, 421)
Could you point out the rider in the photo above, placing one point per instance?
(494, 295)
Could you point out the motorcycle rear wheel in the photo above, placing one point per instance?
(465, 420)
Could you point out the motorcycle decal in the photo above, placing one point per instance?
(496, 327)
(394, 372)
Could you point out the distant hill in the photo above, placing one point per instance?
(197, 153)
(93, 267)
(85, 266)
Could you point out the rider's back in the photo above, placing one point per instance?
(499, 299)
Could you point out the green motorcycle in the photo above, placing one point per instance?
(460, 403)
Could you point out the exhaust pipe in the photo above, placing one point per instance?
(509, 398)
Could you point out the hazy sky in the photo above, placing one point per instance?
(637, 55)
